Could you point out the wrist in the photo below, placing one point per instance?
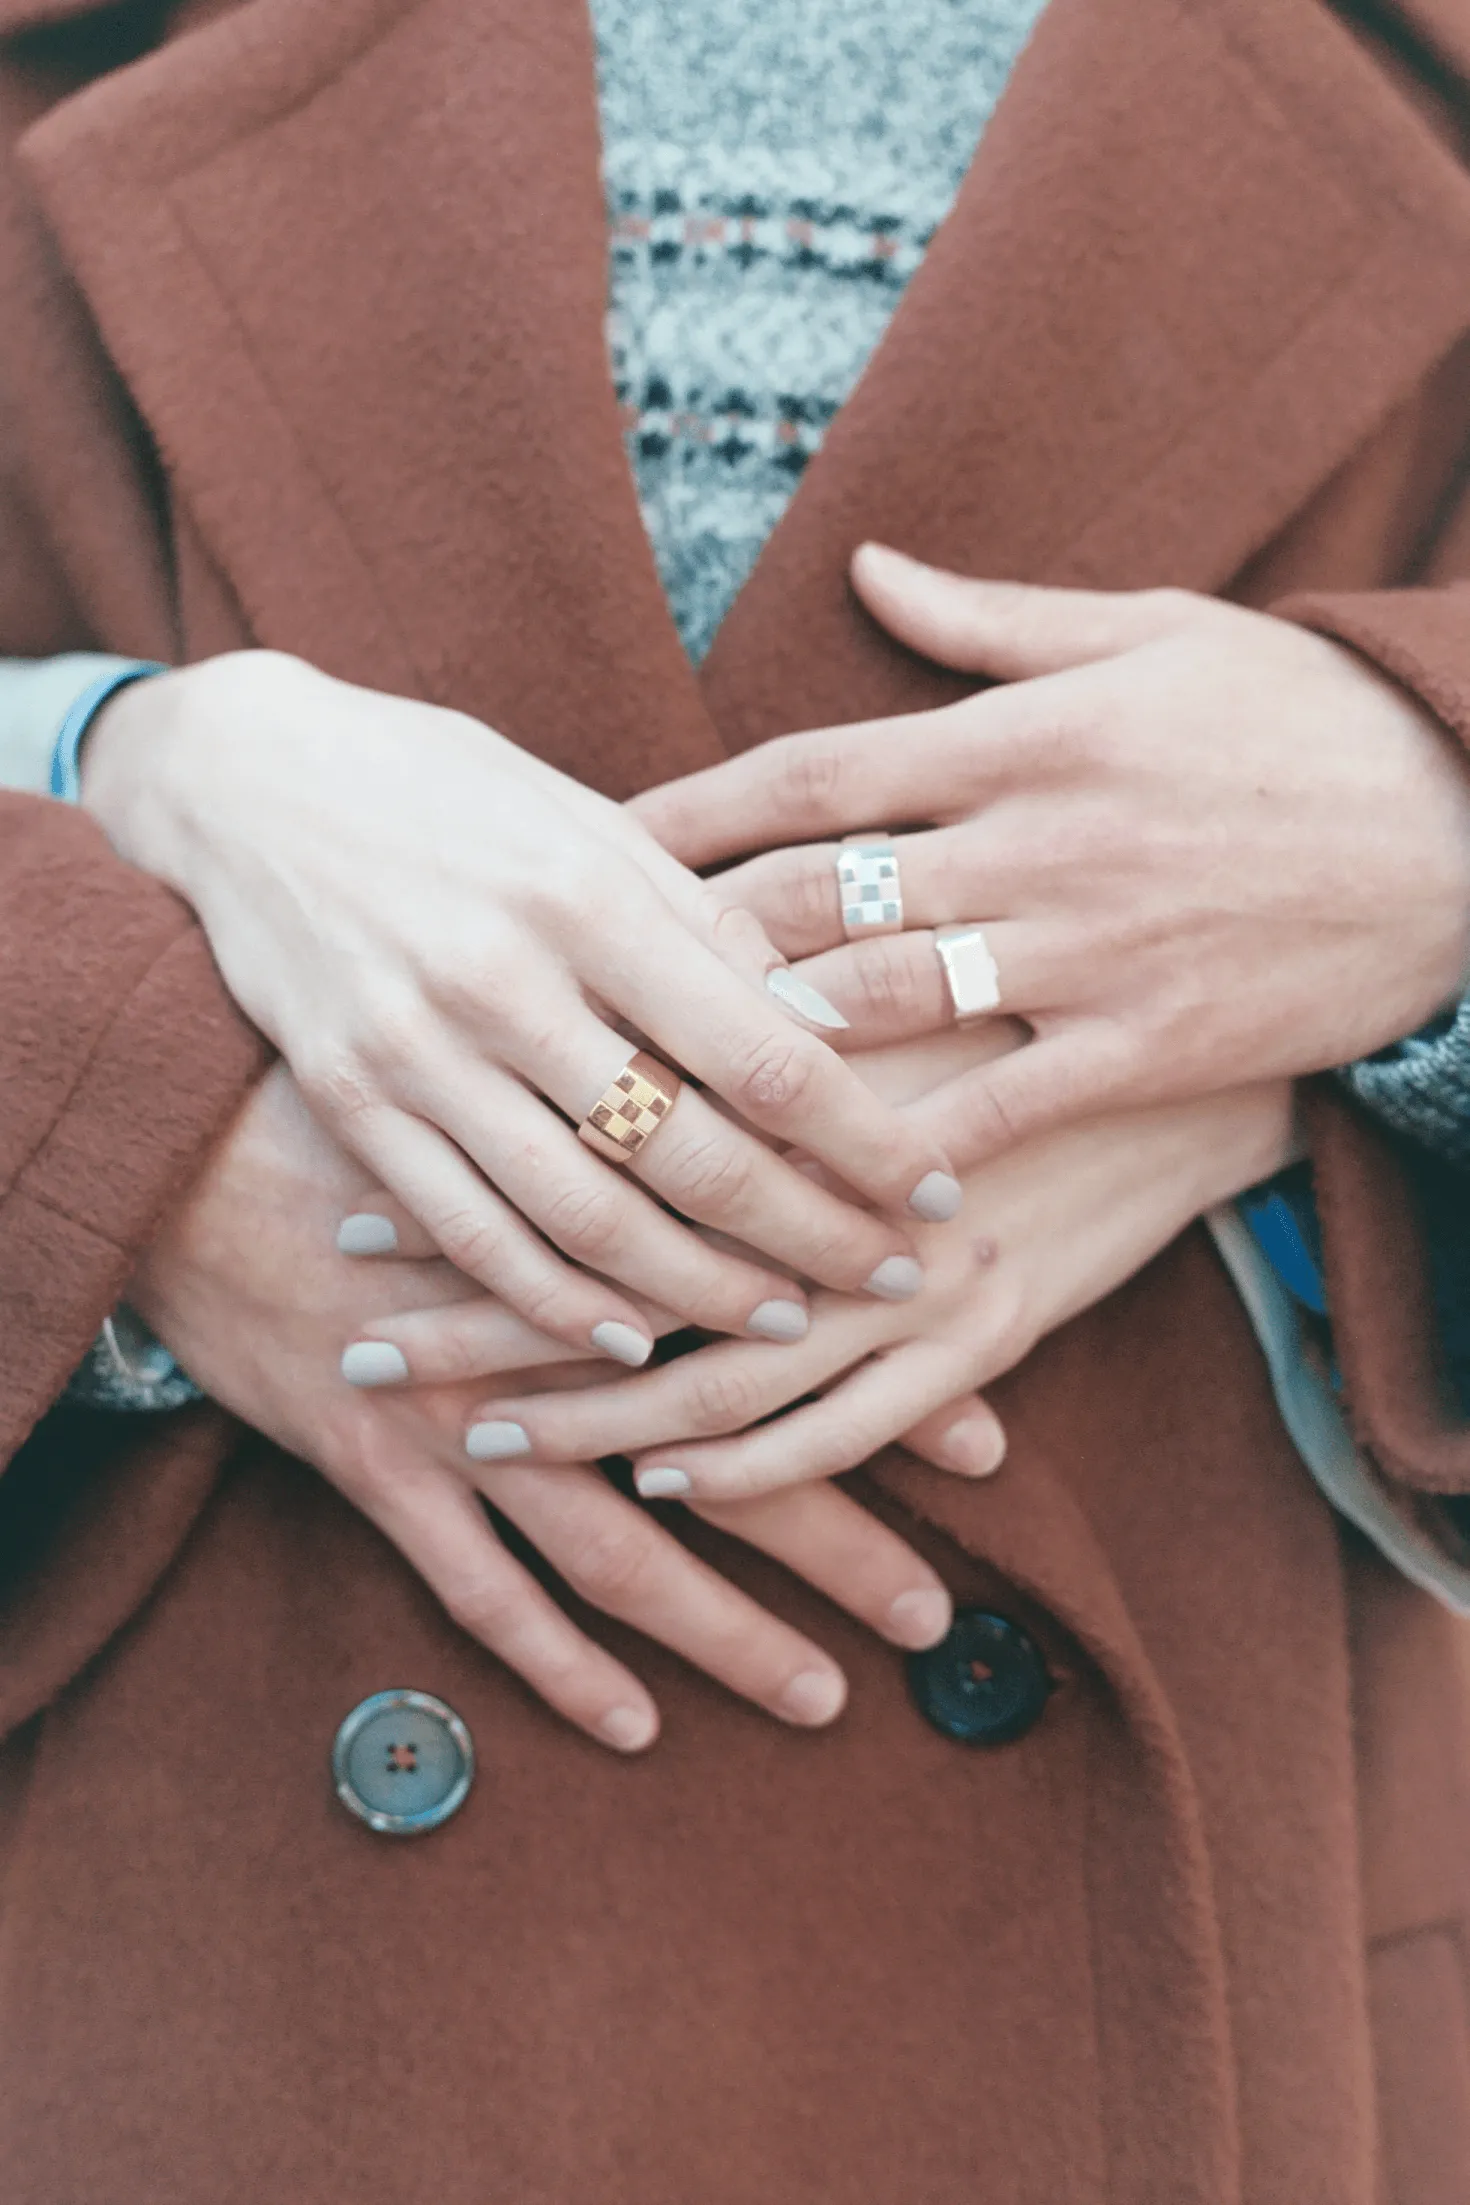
(122, 766)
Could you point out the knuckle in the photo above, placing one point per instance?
(810, 897)
(484, 1604)
(888, 977)
(811, 775)
(459, 1345)
(714, 1174)
(1173, 607)
(773, 1076)
(585, 1220)
(338, 1085)
(720, 1400)
(610, 1564)
(470, 1240)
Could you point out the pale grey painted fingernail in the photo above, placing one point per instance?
(800, 996)
(814, 1697)
(896, 1280)
(920, 1618)
(937, 1198)
(778, 1321)
(622, 1343)
(494, 1442)
(627, 1728)
(374, 1363)
(366, 1234)
(661, 1485)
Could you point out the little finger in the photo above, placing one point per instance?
(1077, 1070)
(828, 1539)
(613, 1555)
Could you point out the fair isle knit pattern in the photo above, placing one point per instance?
(774, 171)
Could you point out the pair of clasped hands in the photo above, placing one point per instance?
(1210, 852)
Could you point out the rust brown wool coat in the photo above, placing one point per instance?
(302, 345)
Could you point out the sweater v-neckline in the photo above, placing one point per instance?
(350, 257)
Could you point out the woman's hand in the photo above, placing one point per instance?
(245, 1288)
(1046, 1231)
(437, 932)
(1206, 846)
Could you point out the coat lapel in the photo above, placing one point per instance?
(1203, 250)
(350, 256)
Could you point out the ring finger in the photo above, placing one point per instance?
(893, 987)
(716, 1172)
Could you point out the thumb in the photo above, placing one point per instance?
(1011, 630)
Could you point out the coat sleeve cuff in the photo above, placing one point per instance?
(122, 1058)
(1403, 1407)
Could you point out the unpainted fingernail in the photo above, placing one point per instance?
(622, 1343)
(495, 1441)
(374, 1363)
(975, 1449)
(659, 1484)
(800, 996)
(920, 1619)
(814, 1697)
(628, 1728)
(898, 1279)
(365, 1233)
(937, 1197)
(778, 1321)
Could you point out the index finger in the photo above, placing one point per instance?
(915, 768)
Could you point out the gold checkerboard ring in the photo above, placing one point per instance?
(631, 1109)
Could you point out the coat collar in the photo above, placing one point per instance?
(350, 256)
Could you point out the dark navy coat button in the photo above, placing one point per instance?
(985, 1683)
(403, 1762)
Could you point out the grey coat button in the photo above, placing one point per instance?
(403, 1762)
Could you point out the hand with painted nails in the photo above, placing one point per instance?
(1048, 1229)
(246, 1288)
(451, 943)
(1203, 845)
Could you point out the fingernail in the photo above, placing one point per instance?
(627, 1728)
(778, 1321)
(661, 1485)
(495, 1442)
(897, 1280)
(366, 1234)
(800, 996)
(937, 1197)
(920, 1618)
(814, 1697)
(622, 1343)
(374, 1363)
(975, 1450)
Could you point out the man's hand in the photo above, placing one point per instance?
(1206, 847)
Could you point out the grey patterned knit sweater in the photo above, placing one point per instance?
(774, 170)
